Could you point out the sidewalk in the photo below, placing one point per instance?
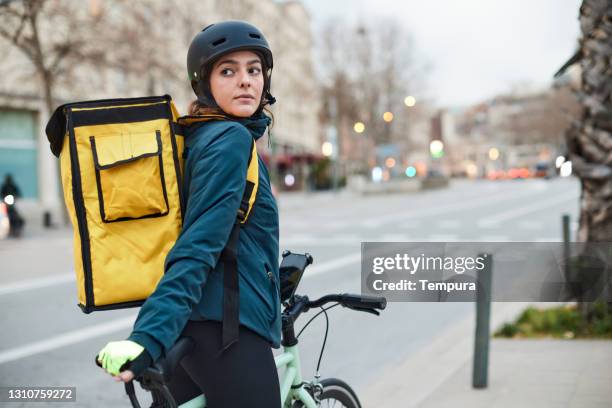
(542, 373)
(534, 373)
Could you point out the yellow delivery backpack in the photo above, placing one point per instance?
(121, 164)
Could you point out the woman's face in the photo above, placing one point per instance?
(236, 83)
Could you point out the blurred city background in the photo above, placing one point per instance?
(396, 121)
(364, 98)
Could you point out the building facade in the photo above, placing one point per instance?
(128, 51)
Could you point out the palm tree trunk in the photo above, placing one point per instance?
(589, 140)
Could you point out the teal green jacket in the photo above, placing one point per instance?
(217, 154)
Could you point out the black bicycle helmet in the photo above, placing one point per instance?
(218, 39)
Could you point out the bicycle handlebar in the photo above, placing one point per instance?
(358, 303)
(352, 301)
(367, 302)
(155, 378)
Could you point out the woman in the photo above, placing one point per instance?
(229, 65)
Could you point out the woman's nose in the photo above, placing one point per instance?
(245, 80)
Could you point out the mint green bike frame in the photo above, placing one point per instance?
(290, 361)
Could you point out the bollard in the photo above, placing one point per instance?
(483, 312)
(566, 243)
(566, 229)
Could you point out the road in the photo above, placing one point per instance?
(45, 340)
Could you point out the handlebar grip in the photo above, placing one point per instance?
(364, 302)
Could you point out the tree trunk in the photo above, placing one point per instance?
(589, 141)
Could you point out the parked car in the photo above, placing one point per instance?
(497, 175)
(542, 170)
(519, 173)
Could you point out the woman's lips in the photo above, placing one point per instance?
(245, 99)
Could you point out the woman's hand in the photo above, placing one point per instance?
(117, 353)
(125, 376)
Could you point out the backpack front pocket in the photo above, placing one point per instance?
(129, 176)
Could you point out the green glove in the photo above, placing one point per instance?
(116, 353)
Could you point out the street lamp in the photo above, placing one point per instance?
(436, 148)
(387, 116)
(559, 161)
(359, 127)
(493, 153)
(327, 149)
(377, 174)
(409, 101)
(566, 169)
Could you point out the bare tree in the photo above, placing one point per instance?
(21, 27)
(367, 70)
(71, 43)
(538, 118)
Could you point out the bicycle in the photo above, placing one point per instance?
(295, 393)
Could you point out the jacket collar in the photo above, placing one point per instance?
(256, 124)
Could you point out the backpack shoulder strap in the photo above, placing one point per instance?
(229, 255)
(252, 183)
(252, 178)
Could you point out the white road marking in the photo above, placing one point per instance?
(480, 201)
(294, 240)
(530, 225)
(36, 283)
(539, 205)
(66, 339)
(371, 223)
(353, 258)
(549, 239)
(442, 238)
(410, 224)
(393, 238)
(317, 241)
(492, 238)
(449, 224)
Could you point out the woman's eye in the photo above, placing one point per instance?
(254, 70)
(226, 71)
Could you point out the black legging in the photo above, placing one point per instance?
(242, 376)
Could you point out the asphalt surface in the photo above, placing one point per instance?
(45, 340)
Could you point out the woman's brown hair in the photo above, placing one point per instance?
(196, 108)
